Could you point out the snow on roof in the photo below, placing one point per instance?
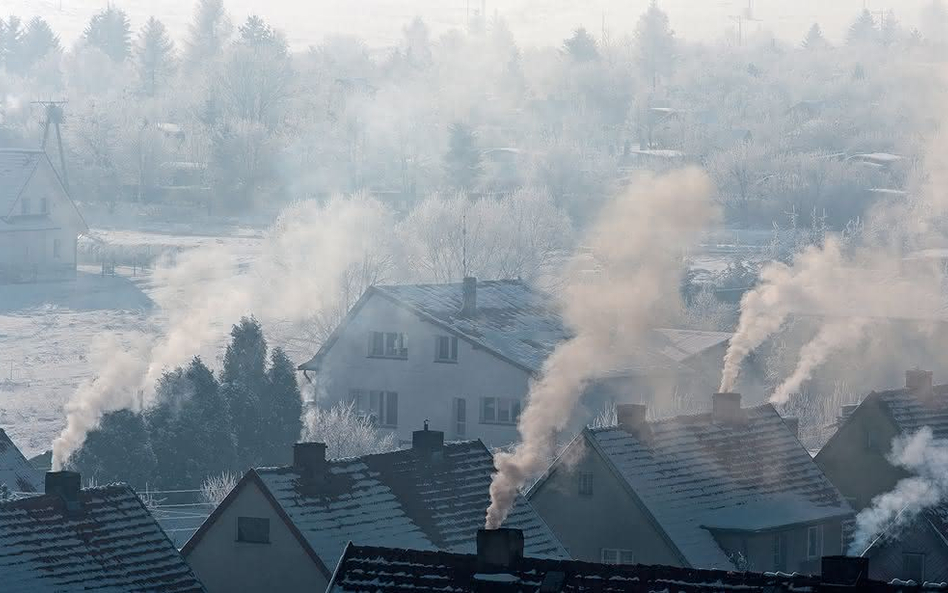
(694, 474)
(685, 343)
(366, 569)
(404, 499)
(910, 413)
(16, 472)
(16, 168)
(111, 544)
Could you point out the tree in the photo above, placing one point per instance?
(257, 77)
(417, 44)
(581, 47)
(463, 159)
(156, 59)
(208, 421)
(935, 21)
(255, 32)
(243, 382)
(119, 449)
(863, 30)
(32, 45)
(346, 432)
(890, 29)
(208, 33)
(814, 38)
(655, 43)
(281, 410)
(12, 39)
(110, 32)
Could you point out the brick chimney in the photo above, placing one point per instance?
(309, 459)
(846, 571)
(427, 441)
(726, 407)
(920, 383)
(469, 297)
(499, 548)
(66, 485)
(631, 417)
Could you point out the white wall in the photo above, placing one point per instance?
(425, 388)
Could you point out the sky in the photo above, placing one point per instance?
(535, 22)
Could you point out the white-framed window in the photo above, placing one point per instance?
(57, 248)
(585, 484)
(388, 345)
(814, 542)
(913, 567)
(616, 556)
(446, 349)
(381, 407)
(499, 410)
(459, 413)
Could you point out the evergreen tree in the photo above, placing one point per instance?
(655, 43)
(208, 33)
(243, 381)
(281, 410)
(418, 44)
(38, 41)
(111, 32)
(814, 38)
(935, 21)
(890, 29)
(168, 431)
(581, 47)
(12, 39)
(463, 160)
(863, 30)
(255, 32)
(118, 450)
(156, 60)
(208, 419)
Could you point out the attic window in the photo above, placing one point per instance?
(253, 530)
(585, 484)
(616, 556)
(388, 345)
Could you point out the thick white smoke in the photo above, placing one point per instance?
(638, 242)
(927, 458)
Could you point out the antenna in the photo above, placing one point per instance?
(54, 116)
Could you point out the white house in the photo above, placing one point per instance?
(462, 356)
(39, 223)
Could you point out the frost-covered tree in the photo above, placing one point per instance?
(581, 47)
(935, 21)
(655, 44)
(110, 32)
(863, 30)
(890, 29)
(215, 488)
(417, 44)
(814, 38)
(462, 162)
(346, 432)
(156, 57)
(11, 38)
(256, 79)
(31, 45)
(208, 33)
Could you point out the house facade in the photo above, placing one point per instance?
(730, 489)
(39, 223)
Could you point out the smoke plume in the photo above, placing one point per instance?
(638, 243)
(925, 457)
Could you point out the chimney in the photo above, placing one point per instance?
(499, 548)
(66, 485)
(920, 383)
(793, 423)
(631, 417)
(427, 441)
(309, 459)
(469, 297)
(845, 411)
(726, 407)
(847, 571)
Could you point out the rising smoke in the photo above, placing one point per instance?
(638, 243)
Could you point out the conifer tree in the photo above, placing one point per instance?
(156, 59)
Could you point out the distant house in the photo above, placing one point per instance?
(729, 489)
(499, 566)
(71, 540)
(462, 356)
(283, 529)
(855, 459)
(16, 473)
(39, 223)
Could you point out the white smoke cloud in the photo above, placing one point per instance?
(925, 457)
(638, 242)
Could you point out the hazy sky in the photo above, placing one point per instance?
(533, 21)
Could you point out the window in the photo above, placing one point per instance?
(44, 205)
(57, 248)
(388, 345)
(814, 542)
(25, 206)
(499, 410)
(460, 416)
(585, 483)
(913, 567)
(616, 556)
(446, 349)
(253, 530)
(780, 551)
(381, 407)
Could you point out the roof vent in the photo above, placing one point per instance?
(726, 407)
(66, 485)
(427, 441)
(309, 459)
(920, 383)
(848, 571)
(631, 417)
(499, 548)
(469, 297)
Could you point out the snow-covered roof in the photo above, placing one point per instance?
(112, 543)
(910, 412)
(16, 168)
(364, 569)
(16, 472)
(401, 498)
(682, 344)
(694, 475)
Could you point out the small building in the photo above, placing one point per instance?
(16, 472)
(730, 489)
(462, 355)
(74, 539)
(284, 529)
(39, 223)
(500, 566)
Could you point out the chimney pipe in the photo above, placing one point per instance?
(469, 297)
(726, 407)
(631, 417)
(427, 441)
(309, 459)
(499, 548)
(848, 571)
(66, 485)
(793, 424)
(920, 382)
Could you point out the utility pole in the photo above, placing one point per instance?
(54, 116)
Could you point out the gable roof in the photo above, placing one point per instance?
(518, 323)
(400, 498)
(364, 569)
(16, 472)
(17, 168)
(112, 544)
(910, 412)
(695, 476)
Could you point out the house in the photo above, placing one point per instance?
(463, 355)
(499, 566)
(16, 472)
(284, 529)
(855, 460)
(729, 489)
(39, 223)
(71, 539)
